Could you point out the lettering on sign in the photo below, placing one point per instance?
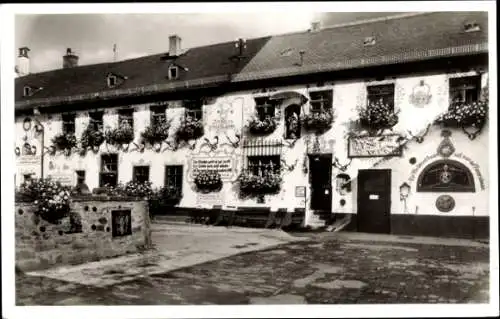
(225, 165)
(63, 178)
(374, 146)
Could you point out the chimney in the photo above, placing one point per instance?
(23, 62)
(70, 60)
(174, 45)
(315, 26)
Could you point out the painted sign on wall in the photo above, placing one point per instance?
(28, 164)
(374, 146)
(225, 165)
(209, 199)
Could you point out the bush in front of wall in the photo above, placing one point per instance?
(266, 126)
(378, 115)
(52, 198)
(252, 185)
(190, 129)
(124, 134)
(64, 141)
(318, 121)
(208, 181)
(91, 137)
(154, 134)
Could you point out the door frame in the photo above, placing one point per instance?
(323, 156)
(388, 201)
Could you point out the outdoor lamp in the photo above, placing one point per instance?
(404, 191)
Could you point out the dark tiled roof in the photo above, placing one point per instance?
(409, 38)
(207, 62)
(398, 40)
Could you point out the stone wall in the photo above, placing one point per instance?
(87, 234)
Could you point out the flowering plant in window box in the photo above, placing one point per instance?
(156, 134)
(122, 135)
(64, 142)
(320, 121)
(260, 127)
(52, 198)
(465, 114)
(378, 116)
(138, 189)
(208, 181)
(190, 129)
(268, 182)
(92, 138)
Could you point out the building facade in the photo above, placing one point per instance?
(292, 105)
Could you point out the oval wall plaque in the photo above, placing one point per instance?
(445, 203)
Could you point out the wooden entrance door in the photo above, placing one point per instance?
(320, 177)
(374, 201)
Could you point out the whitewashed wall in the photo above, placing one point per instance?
(237, 108)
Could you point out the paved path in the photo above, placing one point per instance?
(346, 269)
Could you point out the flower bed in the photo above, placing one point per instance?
(190, 129)
(266, 126)
(465, 114)
(256, 185)
(64, 141)
(51, 198)
(318, 121)
(91, 138)
(122, 135)
(377, 116)
(208, 181)
(157, 133)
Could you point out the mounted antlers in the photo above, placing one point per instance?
(292, 143)
(341, 167)
(213, 146)
(238, 139)
(420, 138)
(139, 147)
(289, 167)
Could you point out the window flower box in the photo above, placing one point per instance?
(208, 181)
(52, 199)
(64, 142)
(378, 116)
(465, 114)
(190, 129)
(266, 126)
(156, 134)
(319, 121)
(92, 138)
(121, 136)
(256, 185)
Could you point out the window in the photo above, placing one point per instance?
(173, 72)
(158, 114)
(446, 176)
(111, 81)
(465, 89)
(109, 170)
(194, 108)
(80, 177)
(68, 123)
(141, 174)
(96, 120)
(126, 115)
(173, 176)
(381, 93)
(264, 108)
(258, 165)
(321, 100)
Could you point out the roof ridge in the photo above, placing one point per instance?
(379, 19)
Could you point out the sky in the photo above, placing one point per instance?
(92, 36)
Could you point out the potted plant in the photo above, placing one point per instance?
(465, 114)
(252, 185)
(92, 138)
(121, 136)
(378, 116)
(190, 129)
(320, 121)
(64, 142)
(156, 134)
(138, 189)
(208, 181)
(52, 198)
(261, 127)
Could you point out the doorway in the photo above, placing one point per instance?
(320, 178)
(374, 201)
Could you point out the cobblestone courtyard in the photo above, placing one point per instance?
(312, 270)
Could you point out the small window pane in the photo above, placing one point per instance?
(68, 123)
(321, 100)
(381, 93)
(109, 170)
(126, 115)
(141, 174)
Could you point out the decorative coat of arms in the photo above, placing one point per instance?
(421, 95)
(446, 148)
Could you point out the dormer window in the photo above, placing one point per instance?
(472, 27)
(27, 91)
(111, 81)
(173, 72)
(369, 41)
